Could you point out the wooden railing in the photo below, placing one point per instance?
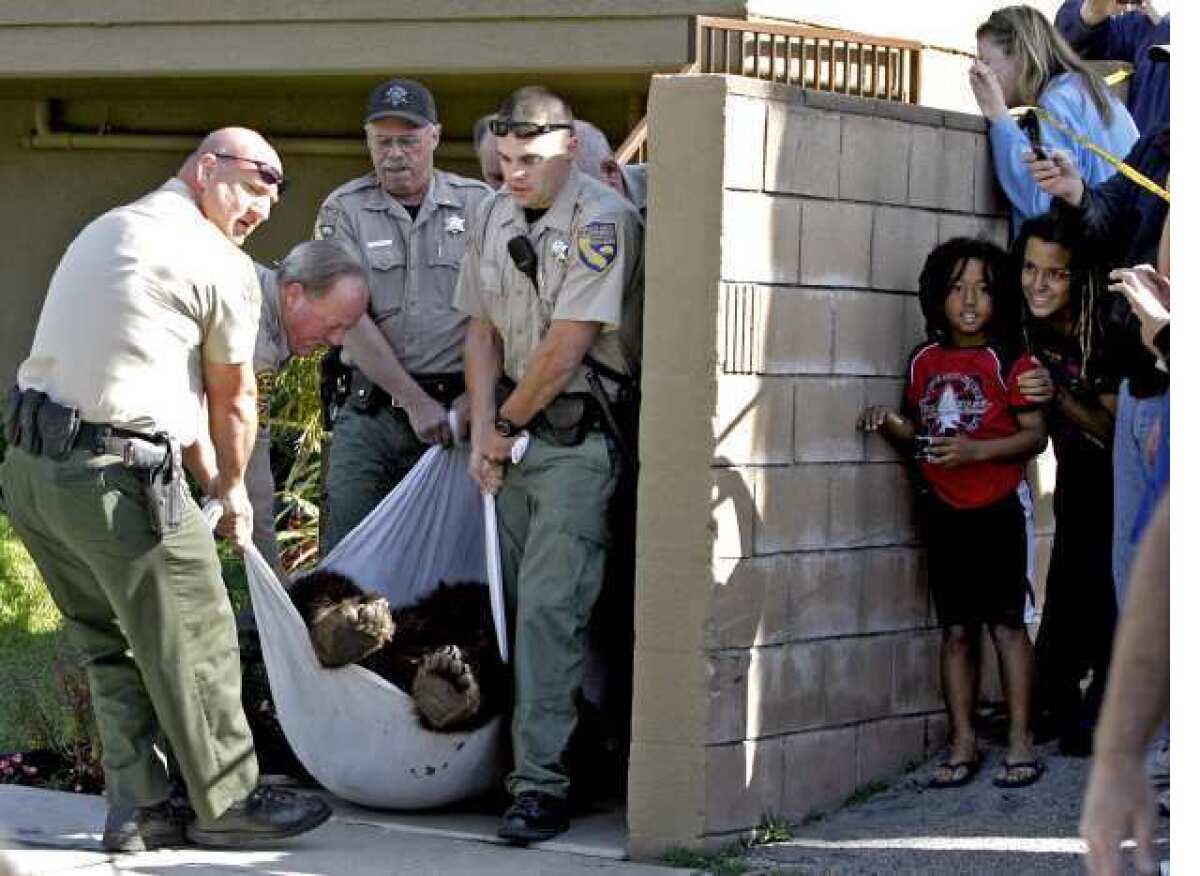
(811, 57)
(839, 61)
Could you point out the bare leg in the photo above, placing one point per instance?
(960, 687)
(1016, 674)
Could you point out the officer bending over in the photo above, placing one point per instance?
(317, 294)
(153, 307)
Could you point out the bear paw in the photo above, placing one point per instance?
(351, 630)
(445, 689)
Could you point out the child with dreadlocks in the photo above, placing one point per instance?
(973, 431)
(1076, 383)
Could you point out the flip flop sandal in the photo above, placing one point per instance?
(1005, 778)
(968, 770)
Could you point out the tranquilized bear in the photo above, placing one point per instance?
(441, 650)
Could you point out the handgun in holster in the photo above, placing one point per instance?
(161, 474)
(334, 386)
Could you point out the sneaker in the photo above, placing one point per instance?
(267, 814)
(534, 817)
(140, 828)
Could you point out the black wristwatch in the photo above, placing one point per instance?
(505, 428)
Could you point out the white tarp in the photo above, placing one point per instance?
(357, 734)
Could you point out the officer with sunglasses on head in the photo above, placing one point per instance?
(552, 283)
(408, 223)
(153, 308)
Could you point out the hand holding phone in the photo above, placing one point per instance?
(1028, 122)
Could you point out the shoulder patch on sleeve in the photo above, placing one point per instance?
(597, 245)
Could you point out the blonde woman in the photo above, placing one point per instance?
(1023, 61)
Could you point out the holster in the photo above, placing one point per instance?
(162, 484)
(564, 422)
(334, 386)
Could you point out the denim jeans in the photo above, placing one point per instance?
(1135, 446)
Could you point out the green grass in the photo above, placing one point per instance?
(34, 714)
(729, 861)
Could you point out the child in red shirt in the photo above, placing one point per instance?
(973, 431)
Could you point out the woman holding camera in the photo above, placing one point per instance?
(1078, 389)
(1023, 61)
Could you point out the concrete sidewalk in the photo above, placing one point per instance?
(911, 828)
(50, 832)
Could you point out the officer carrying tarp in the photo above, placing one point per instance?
(152, 307)
(551, 281)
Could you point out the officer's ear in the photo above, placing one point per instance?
(435, 134)
(293, 296)
(572, 145)
(206, 165)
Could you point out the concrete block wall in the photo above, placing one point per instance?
(786, 645)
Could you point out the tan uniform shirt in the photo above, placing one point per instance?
(589, 248)
(412, 264)
(140, 296)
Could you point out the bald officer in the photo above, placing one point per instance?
(152, 307)
(408, 223)
(574, 291)
(317, 294)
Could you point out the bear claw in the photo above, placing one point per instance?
(445, 689)
(350, 630)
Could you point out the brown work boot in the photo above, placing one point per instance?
(266, 815)
(140, 828)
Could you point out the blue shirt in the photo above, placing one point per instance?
(1126, 38)
(1067, 100)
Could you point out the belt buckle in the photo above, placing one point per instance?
(395, 404)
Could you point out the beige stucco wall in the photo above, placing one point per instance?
(786, 648)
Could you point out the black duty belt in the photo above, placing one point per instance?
(443, 388)
(136, 449)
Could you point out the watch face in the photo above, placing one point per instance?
(504, 428)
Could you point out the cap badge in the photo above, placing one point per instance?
(560, 249)
(455, 224)
(396, 95)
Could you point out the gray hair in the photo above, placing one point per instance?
(317, 265)
(481, 129)
(594, 149)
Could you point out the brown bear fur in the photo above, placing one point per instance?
(447, 637)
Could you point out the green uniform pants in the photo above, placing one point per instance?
(368, 456)
(151, 622)
(553, 526)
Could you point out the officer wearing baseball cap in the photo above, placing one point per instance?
(408, 223)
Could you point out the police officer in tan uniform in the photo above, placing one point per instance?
(152, 307)
(552, 282)
(409, 224)
(317, 294)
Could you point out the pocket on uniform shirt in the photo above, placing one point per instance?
(446, 248)
(387, 283)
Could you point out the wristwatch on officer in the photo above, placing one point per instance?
(505, 427)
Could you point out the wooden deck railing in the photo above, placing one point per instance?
(820, 58)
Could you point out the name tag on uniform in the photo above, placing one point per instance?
(375, 244)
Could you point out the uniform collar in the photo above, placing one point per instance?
(561, 212)
(439, 194)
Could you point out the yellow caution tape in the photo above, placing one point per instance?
(1118, 76)
(1124, 169)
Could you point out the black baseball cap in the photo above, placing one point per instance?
(402, 99)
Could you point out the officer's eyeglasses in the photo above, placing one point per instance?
(266, 172)
(524, 130)
(405, 142)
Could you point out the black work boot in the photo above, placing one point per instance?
(533, 817)
(140, 828)
(267, 814)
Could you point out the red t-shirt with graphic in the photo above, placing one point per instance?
(967, 391)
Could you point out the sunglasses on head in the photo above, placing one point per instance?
(266, 172)
(522, 130)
